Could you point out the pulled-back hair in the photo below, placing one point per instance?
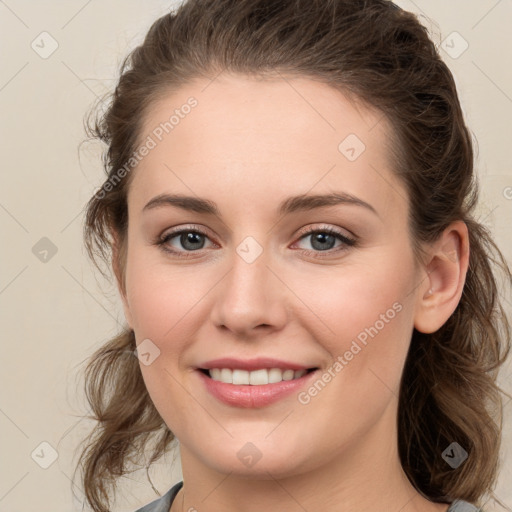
(374, 52)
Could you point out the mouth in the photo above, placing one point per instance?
(259, 377)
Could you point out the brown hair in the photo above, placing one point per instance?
(382, 55)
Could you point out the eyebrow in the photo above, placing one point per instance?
(292, 204)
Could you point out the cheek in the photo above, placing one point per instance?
(363, 296)
(364, 318)
(163, 301)
(370, 311)
(160, 296)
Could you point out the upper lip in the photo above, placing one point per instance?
(252, 364)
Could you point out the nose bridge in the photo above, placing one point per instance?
(250, 295)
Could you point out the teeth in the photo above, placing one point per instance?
(240, 377)
(254, 378)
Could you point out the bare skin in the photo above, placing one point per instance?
(247, 146)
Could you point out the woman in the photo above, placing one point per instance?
(314, 311)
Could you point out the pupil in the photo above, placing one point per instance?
(323, 239)
(191, 238)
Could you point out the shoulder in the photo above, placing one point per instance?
(463, 506)
(162, 504)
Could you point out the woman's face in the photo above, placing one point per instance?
(256, 278)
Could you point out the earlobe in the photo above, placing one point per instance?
(440, 292)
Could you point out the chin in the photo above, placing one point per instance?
(264, 461)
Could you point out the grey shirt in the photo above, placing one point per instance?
(163, 504)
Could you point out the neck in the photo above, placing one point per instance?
(365, 476)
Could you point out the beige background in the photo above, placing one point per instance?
(55, 313)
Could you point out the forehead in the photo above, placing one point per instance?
(273, 137)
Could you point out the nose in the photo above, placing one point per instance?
(250, 299)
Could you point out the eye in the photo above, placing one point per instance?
(182, 241)
(324, 240)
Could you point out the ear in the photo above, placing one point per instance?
(446, 268)
(118, 265)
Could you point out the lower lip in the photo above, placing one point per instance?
(243, 395)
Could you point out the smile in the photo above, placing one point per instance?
(256, 388)
(254, 378)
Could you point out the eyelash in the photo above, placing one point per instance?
(347, 242)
